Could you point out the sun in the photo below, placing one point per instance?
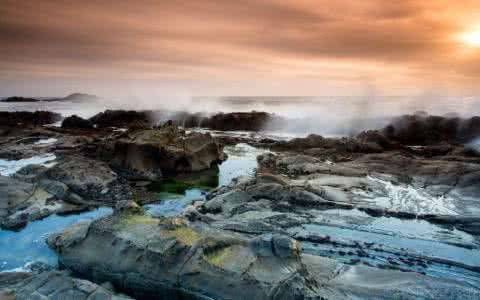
(471, 38)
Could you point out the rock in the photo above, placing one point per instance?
(272, 178)
(142, 255)
(430, 151)
(19, 99)
(122, 118)
(276, 245)
(150, 154)
(55, 188)
(21, 202)
(24, 118)
(69, 237)
(226, 202)
(53, 285)
(31, 173)
(248, 121)
(128, 206)
(93, 181)
(75, 122)
(317, 145)
(176, 259)
(427, 130)
(375, 137)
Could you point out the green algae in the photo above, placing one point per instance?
(219, 257)
(171, 188)
(127, 220)
(184, 235)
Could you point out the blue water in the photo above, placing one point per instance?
(394, 242)
(242, 161)
(171, 207)
(18, 249)
(28, 245)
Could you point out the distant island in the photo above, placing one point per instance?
(75, 97)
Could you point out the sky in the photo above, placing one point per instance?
(247, 47)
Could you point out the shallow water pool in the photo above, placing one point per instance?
(18, 249)
(242, 161)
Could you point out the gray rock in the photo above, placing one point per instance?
(51, 285)
(56, 188)
(93, 181)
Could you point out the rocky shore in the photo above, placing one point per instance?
(50, 170)
(389, 213)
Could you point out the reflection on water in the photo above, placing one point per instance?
(242, 161)
(387, 242)
(377, 248)
(20, 248)
(172, 204)
(175, 195)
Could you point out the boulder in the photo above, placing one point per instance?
(128, 206)
(122, 118)
(88, 181)
(249, 121)
(171, 259)
(75, 122)
(319, 146)
(150, 154)
(22, 202)
(423, 129)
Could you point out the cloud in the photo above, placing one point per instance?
(236, 39)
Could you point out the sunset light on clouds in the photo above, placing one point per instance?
(294, 47)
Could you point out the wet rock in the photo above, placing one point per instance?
(226, 202)
(24, 118)
(75, 122)
(248, 121)
(175, 259)
(128, 206)
(142, 255)
(31, 173)
(150, 154)
(122, 118)
(430, 151)
(69, 237)
(428, 130)
(91, 180)
(53, 285)
(21, 202)
(55, 188)
(376, 138)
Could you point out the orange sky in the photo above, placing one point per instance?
(269, 47)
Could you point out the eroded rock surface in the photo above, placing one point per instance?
(51, 285)
(149, 154)
(173, 258)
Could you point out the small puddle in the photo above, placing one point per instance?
(18, 249)
(175, 195)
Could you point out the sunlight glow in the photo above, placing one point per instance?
(471, 38)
